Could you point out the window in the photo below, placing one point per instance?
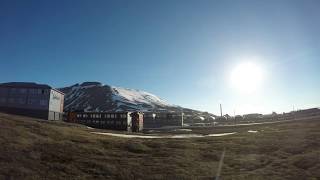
(32, 91)
(112, 116)
(123, 115)
(32, 101)
(108, 116)
(43, 102)
(23, 91)
(11, 100)
(3, 100)
(21, 101)
(13, 90)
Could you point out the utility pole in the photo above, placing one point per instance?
(234, 115)
(182, 118)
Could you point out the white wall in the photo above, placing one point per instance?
(56, 101)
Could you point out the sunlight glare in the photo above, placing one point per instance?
(246, 77)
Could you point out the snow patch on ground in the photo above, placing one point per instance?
(252, 131)
(185, 130)
(163, 137)
(220, 134)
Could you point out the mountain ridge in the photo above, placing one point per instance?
(96, 97)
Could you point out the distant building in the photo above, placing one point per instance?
(125, 121)
(31, 99)
(252, 116)
(162, 119)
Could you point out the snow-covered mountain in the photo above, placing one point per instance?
(94, 96)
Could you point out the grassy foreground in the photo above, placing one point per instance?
(35, 149)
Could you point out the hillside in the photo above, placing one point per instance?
(36, 149)
(94, 96)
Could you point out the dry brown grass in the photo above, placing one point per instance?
(35, 149)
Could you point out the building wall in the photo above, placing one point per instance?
(114, 121)
(107, 120)
(55, 105)
(41, 114)
(36, 102)
(161, 120)
(26, 98)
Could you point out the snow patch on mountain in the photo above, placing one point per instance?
(94, 96)
(136, 97)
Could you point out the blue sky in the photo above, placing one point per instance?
(183, 51)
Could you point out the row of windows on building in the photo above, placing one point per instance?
(108, 116)
(102, 122)
(25, 91)
(42, 102)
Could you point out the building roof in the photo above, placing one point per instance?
(25, 85)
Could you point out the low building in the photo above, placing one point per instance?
(252, 116)
(158, 120)
(124, 121)
(31, 99)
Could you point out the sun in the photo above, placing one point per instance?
(246, 77)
